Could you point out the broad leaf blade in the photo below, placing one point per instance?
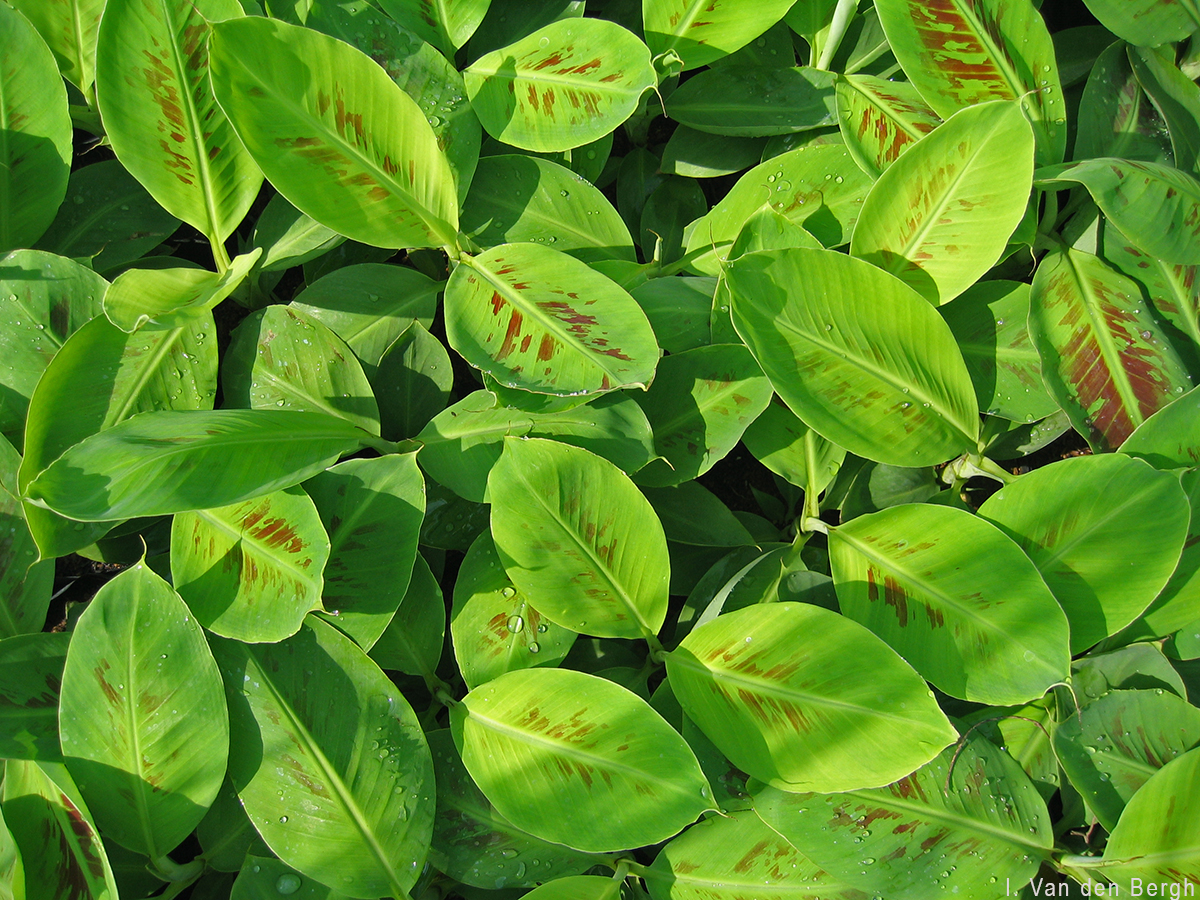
(755, 101)
(1105, 358)
(781, 687)
(184, 458)
(69, 27)
(329, 760)
(143, 718)
(543, 321)
(702, 31)
(32, 666)
(856, 354)
(1076, 521)
(251, 570)
(326, 124)
(171, 297)
(563, 86)
(533, 742)
(1146, 23)
(578, 539)
(880, 120)
(959, 53)
(956, 598)
(941, 216)
(446, 24)
(35, 134)
(152, 84)
(412, 641)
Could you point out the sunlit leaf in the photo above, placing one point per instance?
(143, 719)
(171, 297)
(447, 24)
(703, 31)
(1116, 117)
(69, 28)
(1174, 290)
(792, 450)
(1146, 23)
(880, 120)
(533, 742)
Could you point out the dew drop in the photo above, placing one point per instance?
(516, 624)
(283, 820)
(534, 648)
(287, 884)
(508, 592)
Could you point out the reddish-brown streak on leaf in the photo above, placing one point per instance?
(510, 336)
(546, 348)
(533, 97)
(746, 863)
(894, 596)
(548, 99)
(615, 76)
(109, 692)
(552, 60)
(497, 303)
(907, 788)
(525, 342)
(83, 835)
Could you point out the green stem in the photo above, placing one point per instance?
(842, 16)
(220, 255)
(812, 495)
(658, 653)
(657, 271)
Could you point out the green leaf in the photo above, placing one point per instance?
(327, 124)
(542, 321)
(1157, 204)
(509, 20)
(280, 358)
(578, 887)
(678, 310)
(563, 86)
(372, 510)
(49, 298)
(329, 760)
(1150, 847)
(1117, 743)
(819, 188)
(1177, 99)
(1105, 358)
(1174, 290)
(941, 216)
(964, 52)
(1134, 667)
(494, 628)
(880, 120)
(107, 217)
(785, 690)
(518, 198)
(288, 237)
(418, 69)
(12, 871)
(738, 858)
(1104, 531)
(967, 817)
(692, 514)
(474, 844)
(412, 641)
(32, 667)
(1146, 23)
(674, 204)
(533, 742)
(956, 598)
(701, 402)
(69, 28)
(35, 146)
(251, 570)
(100, 378)
(226, 834)
(755, 101)
(578, 539)
(989, 322)
(697, 154)
(266, 878)
(152, 84)
(703, 31)
(860, 357)
(447, 24)
(1169, 439)
(171, 297)
(1116, 117)
(412, 382)
(792, 450)
(464, 441)
(61, 850)
(369, 305)
(143, 718)
(167, 462)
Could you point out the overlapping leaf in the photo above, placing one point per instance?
(1105, 358)
(755, 101)
(578, 760)
(152, 85)
(1174, 290)
(856, 354)
(880, 120)
(329, 760)
(325, 123)
(412, 641)
(703, 31)
(69, 28)
(542, 321)
(955, 597)
(941, 216)
(32, 666)
(251, 570)
(169, 297)
(1146, 23)
(447, 24)
(1116, 117)
(144, 725)
(786, 689)
(566, 85)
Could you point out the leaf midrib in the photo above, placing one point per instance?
(888, 111)
(240, 537)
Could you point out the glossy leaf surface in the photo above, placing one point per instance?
(1063, 516)
(412, 641)
(779, 686)
(755, 101)
(1146, 23)
(447, 24)
(181, 454)
(880, 120)
(1169, 439)
(940, 217)
(144, 725)
(532, 741)
(251, 571)
(32, 666)
(563, 86)
(69, 29)
(856, 354)
(578, 539)
(329, 760)
(542, 321)
(318, 115)
(171, 297)
(153, 89)
(703, 31)
(955, 597)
